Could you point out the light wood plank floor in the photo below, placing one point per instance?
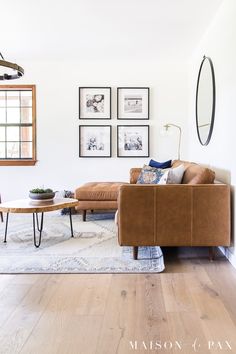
(192, 306)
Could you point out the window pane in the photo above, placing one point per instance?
(13, 133)
(2, 115)
(13, 151)
(26, 98)
(26, 133)
(26, 115)
(2, 150)
(13, 115)
(26, 150)
(2, 133)
(17, 140)
(13, 98)
(2, 98)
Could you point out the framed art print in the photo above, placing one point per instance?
(133, 103)
(94, 141)
(94, 102)
(132, 140)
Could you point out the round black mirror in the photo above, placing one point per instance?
(205, 101)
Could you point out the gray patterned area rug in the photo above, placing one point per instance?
(94, 249)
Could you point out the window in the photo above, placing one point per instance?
(17, 125)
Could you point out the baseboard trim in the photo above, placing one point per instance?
(229, 255)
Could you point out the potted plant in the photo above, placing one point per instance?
(41, 194)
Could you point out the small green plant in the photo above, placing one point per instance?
(41, 190)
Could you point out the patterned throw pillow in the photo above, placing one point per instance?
(152, 175)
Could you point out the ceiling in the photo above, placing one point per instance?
(99, 29)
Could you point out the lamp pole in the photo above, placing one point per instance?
(167, 126)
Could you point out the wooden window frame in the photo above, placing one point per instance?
(33, 160)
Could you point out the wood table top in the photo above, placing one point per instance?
(32, 206)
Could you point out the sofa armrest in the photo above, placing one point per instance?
(174, 215)
(134, 173)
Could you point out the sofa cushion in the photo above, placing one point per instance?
(134, 174)
(98, 191)
(152, 175)
(166, 164)
(203, 175)
(194, 173)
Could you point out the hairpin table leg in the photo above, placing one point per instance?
(39, 228)
(6, 226)
(71, 226)
(1, 213)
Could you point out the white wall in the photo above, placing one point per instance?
(59, 165)
(219, 44)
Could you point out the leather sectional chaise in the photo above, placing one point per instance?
(194, 213)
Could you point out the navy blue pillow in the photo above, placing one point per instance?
(166, 164)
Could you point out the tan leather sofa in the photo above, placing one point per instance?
(194, 213)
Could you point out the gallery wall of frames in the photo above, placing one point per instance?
(95, 140)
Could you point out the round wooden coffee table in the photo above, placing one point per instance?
(35, 207)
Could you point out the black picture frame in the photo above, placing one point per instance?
(92, 115)
(109, 144)
(133, 115)
(138, 127)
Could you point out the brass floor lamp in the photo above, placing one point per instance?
(167, 127)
